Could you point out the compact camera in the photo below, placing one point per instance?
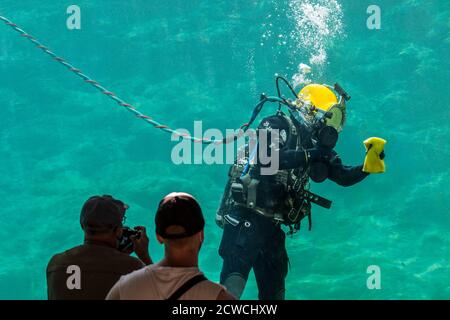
(125, 242)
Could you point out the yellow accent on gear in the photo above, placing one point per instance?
(319, 95)
(372, 162)
(337, 119)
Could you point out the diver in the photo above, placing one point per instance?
(255, 206)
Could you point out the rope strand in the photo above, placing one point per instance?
(117, 99)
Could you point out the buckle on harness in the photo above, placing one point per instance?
(251, 193)
(234, 222)
(314, 198)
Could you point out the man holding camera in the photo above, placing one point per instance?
(88, 271)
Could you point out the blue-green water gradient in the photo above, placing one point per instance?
(179, 61)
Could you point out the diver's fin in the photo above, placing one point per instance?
(374, 163)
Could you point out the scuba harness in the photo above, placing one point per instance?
(316, 124)
(293, 206)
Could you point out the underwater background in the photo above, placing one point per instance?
(178, 61)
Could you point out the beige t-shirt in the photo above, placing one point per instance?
(156, 282)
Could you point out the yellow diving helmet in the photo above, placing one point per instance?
(323, 98)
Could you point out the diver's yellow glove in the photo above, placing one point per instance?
(374, 163)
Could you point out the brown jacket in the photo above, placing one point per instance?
(100, 268)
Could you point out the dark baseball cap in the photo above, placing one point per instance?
(102, 213)
(179, 209)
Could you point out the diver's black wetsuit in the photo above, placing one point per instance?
(341, 174)
(252, 240)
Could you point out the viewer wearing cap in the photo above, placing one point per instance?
(88, 271)
(179, 227)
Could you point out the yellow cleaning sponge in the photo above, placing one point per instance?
(374, 163)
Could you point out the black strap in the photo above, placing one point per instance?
(187, 286)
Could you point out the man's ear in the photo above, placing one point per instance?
(202, 235)
(118, 232)
(159, 238)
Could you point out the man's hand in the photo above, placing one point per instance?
(141, 245)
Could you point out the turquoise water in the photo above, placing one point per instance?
(179, 61)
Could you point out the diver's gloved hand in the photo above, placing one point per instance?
(319, 154)
(374, 161)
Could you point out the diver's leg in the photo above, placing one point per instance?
(234, 275)
(238, 249)
(271, 266)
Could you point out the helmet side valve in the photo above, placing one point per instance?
(341, 92)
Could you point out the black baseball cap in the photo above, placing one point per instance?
(102, 213)
(179, 209)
